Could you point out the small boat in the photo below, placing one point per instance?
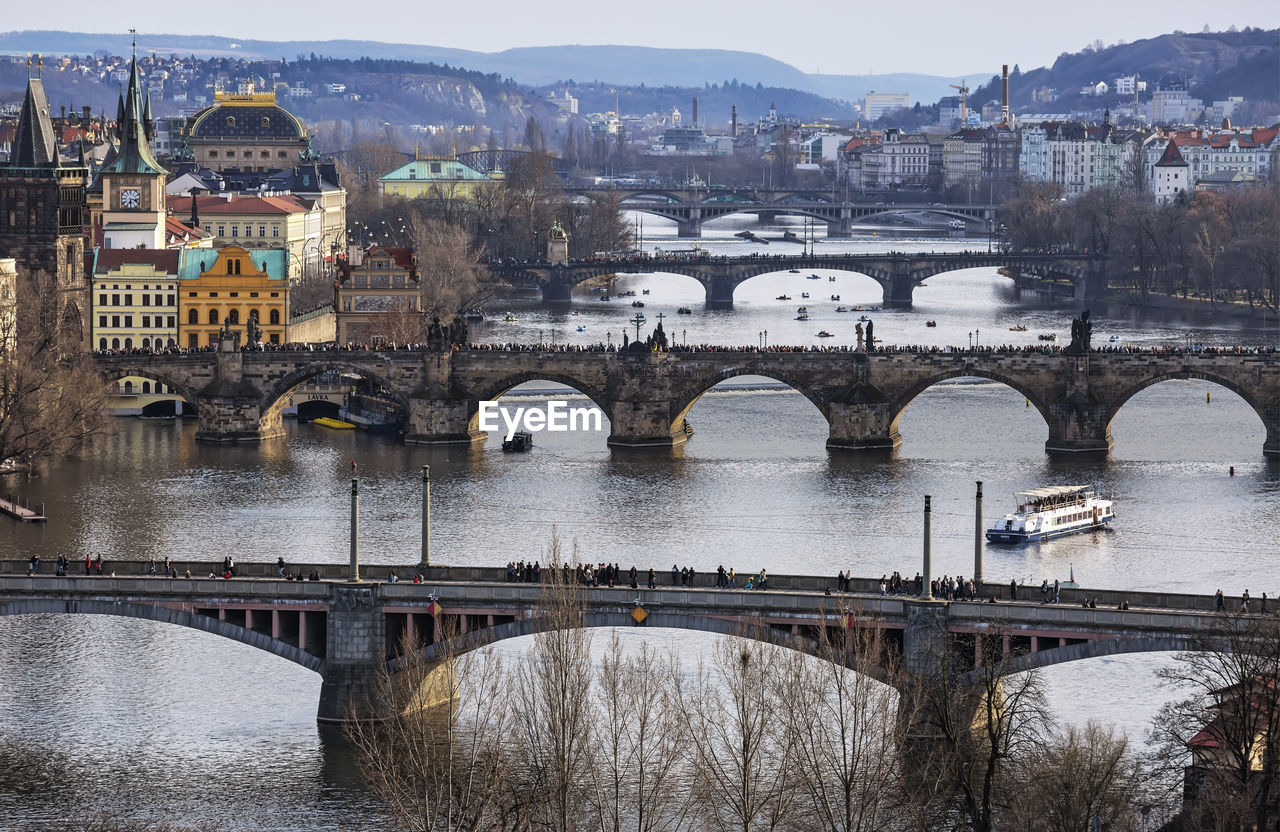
(1018, 328)
(520, 441)
(1053, 511)
(597, 289)
(574, 312)
(582, 329)
(802, 309)
(606, 297)
(783, 297)
(793, 271)
(874, 309)
(956, 225)
(832, 278)
(858, 309)
(814, 277)
(334, 424)
(822, 333)
(802, 317)
(930, 323)
(1113, 339)
(684, 310)
(646, 291)
(475, 316)
(842, 309)
(639, 304)
(511, 319)
(1048, 336)
(804, 294)
(630, 293)
(835, 297)
(863, 318)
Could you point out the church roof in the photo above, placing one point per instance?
(134, 155)
(254, 120)
(35, 144)
(1172, 157)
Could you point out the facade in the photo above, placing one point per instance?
(876, 104)
(229, 287)
(432, 177)
(8, 306)
(133, 198)
(824, 147)
(135, 294)
(1172, 105)
(1076, 156)
(1000, 150)
(42, 213)
(1169, 175)
(1249, 151)
(378, 297)
(290, 222)
(962, 157)
(245, 131)
(900, 159)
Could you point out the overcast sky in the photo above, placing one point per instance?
(850, 37)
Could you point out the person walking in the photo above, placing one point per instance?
(1013, 589)
(653, 579)
(1219, 602)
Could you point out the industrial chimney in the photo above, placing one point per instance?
(695, 111)
(733, 124)
(1004, 100)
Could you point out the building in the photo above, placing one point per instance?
(135, 298)
(962, 157)
(1170, 175)
(1170, 103)
(1001, 146)
(378, 297)
(230, 287)
(432, 177)
(823, 147)
(1076, 156)
(566, 104)
(133, 197)
(290, 222)
(1250, 151)
(42, 216)
(876, 104)
(245, 131)
(8, 306)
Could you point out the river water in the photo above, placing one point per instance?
(139, 717)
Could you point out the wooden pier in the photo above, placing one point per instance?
(14, 507)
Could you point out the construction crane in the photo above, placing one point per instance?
(963, 88)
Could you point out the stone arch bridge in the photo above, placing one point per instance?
(647, 396)
(349, 633)
(897, 274)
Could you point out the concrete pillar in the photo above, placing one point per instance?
(355, 653)
(645, 424)
(926, 587)
(898, 290)
(720, 291)
(559, 288)
(863, 426)
(977, 540)
(842, 226)
(924, 642)
(425, 561)
(691, 226)
(441, 421)
(1078, 427)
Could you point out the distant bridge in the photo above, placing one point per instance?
(349, 633)
(691, 207)
(897, 274)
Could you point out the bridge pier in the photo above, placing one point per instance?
(720, 291)
(863, 426)
(646, 424)
(842, 226)
(355, 654)
(898, 291)
(437, 416)
(691, 226)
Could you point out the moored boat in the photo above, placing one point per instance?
(1052, 511)
(822, 333)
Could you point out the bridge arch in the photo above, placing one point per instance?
(497, 389)
(1094, 649)
(902, 401)
(166, 615)
(272, 402)
(696, 388)
(1259, 407)
(116, 372)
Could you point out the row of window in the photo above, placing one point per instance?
(233, 317)
(147, 300)
(248, 154)
(248, 230)
(146, 344)
(126, 386)
(148, 321)
(230, 294)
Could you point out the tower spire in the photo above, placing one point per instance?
(135, 154)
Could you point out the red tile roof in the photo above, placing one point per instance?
(1171, 157)
(288, 204)
(111, 259)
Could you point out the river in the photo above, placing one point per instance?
(99, 712)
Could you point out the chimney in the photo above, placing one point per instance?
(695, 111)
(733, 123)
(86, 115)
(1004, 100)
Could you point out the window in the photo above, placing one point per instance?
(213, 154)
(146, 385)
(235, 294)
(115, 321)
(262, 231)
(213, 316)
(233, 316)
(128, 322)
(193, 316)
(275, 231)
(222, 231)
(102, 321)
(193, 340)
(435, 167)
(173, 300)
(234, 232)
(115, 300)
(172, 321)
(146, 300)
(248, 231)
(253, 294)
(275, 338)
(102, 300)
(191, 294)
(128, 343)
(102, 343)
(146, 322)
(275, 317)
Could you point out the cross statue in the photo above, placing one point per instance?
(660, 316)
(637, 320)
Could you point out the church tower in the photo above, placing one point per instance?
(42, 203)
(133, 199)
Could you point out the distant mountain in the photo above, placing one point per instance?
(537, 65)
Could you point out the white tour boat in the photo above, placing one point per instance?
(1053, 511)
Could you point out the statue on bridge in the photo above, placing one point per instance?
(253, 332)
(871, 337)
(861, 344)
(1081, 332)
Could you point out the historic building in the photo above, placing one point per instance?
(244, 131)
(1169, 175)
(133, 197)
(232, 286)
(42, 220)
(432, 177)
(289, 222)
(135, 294)
(8, 305)
(378, 297)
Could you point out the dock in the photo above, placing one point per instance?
(14, 507)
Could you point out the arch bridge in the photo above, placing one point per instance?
(897, 274)
(647, 396)
(349, 632)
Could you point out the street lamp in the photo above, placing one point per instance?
(970, 339)
(766, 339)
(976, 333)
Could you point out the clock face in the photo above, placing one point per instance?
(129, 198)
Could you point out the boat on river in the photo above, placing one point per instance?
(822, 333)
(842, 309)
(804, 316)
(1048, 336)
(1052, 511)
(802, 309)
(783, 297)
(1018, 328)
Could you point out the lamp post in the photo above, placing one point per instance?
(353, 573)
(926, 588)
(426, 516)
(970, 339)
(976, 333)
(977, 541)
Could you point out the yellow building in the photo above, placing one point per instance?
(227, 286)
(432, 177)
(296, 224)
(135, 298)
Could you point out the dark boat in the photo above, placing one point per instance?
(519, 441)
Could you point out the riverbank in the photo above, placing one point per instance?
(1168, 303)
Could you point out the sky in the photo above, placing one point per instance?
(937, 37)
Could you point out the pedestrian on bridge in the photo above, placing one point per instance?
(675, 575)
(1013, 589)
(653, 578)
(1219, 602)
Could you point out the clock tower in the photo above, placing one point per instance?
(133, 206)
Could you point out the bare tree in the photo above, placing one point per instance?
(452, 279)
(740, 750)
(434, 751)
(551, 703)
(51, 396)
(1220, 745)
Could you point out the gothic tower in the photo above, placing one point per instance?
(133, 206)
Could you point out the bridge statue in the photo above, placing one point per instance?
(1081, 332)
(251, 329)
(858, 329)
(871, 337)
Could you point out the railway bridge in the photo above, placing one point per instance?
(349, 632)
(647, 396)
(898, 274)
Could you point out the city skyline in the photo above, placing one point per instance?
(845, 43)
